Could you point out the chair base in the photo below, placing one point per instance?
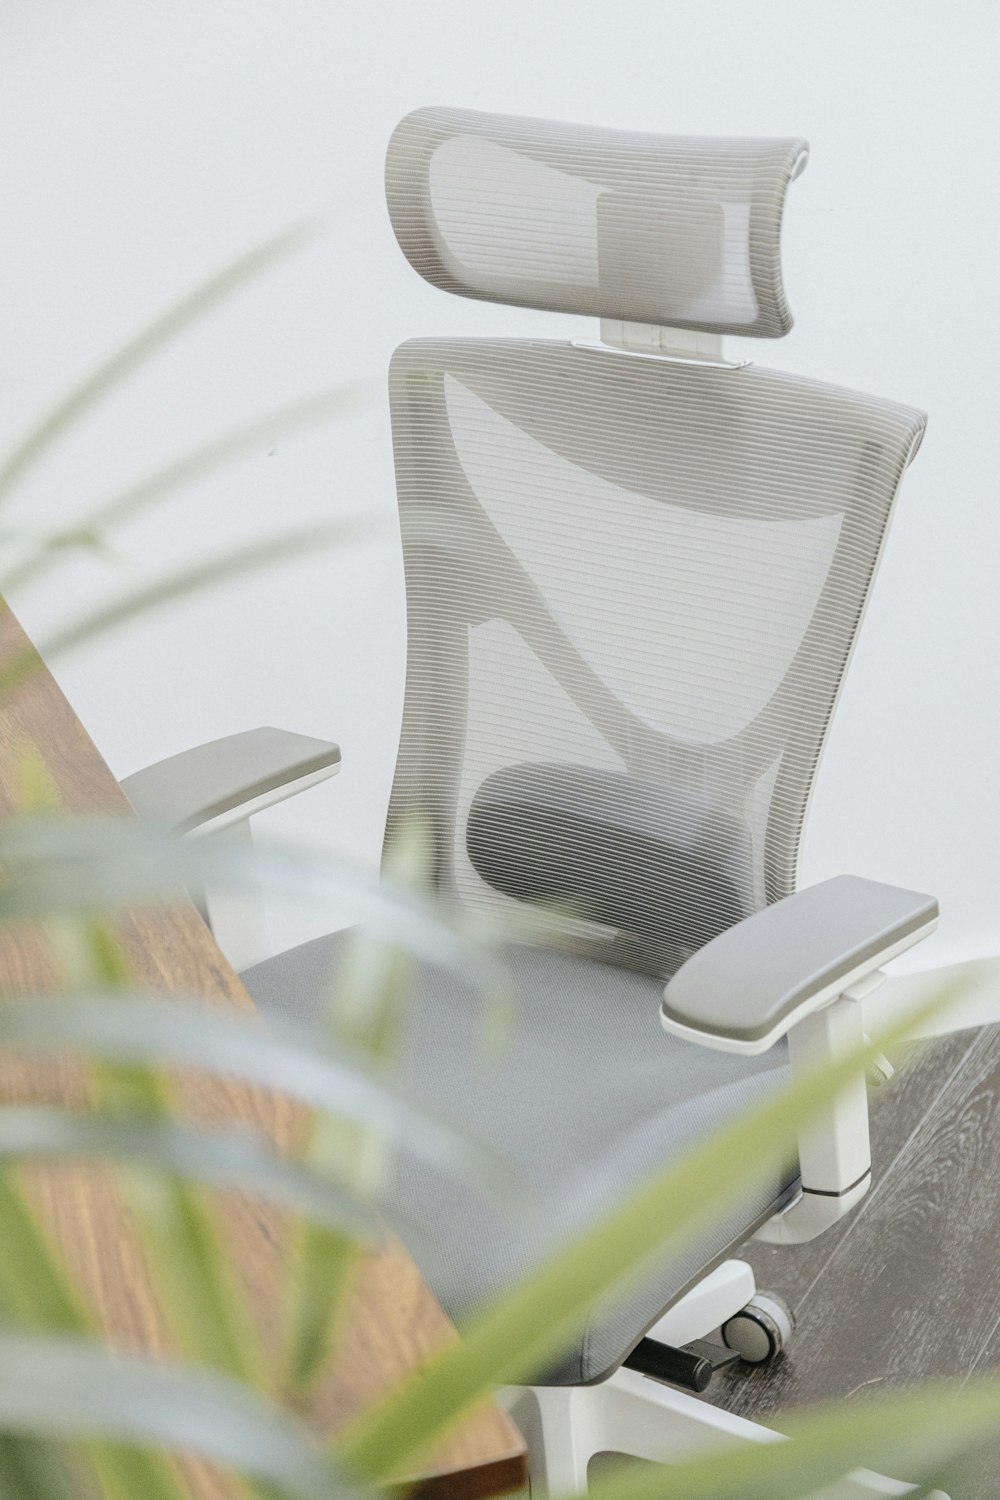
(565, 1427)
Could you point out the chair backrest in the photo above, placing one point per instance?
(633, 583)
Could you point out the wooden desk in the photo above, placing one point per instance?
(392, 1323)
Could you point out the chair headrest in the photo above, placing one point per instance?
(680, 231)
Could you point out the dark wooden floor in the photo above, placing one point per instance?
(909, 1286)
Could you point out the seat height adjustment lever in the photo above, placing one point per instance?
(691, 1367)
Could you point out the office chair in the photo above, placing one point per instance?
(635, 572)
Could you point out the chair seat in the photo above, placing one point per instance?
(586, 1097)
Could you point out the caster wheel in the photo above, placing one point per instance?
(761, 1330)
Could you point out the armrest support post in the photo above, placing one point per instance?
(237, 918)
(212, 791)
(799, 969)
(834, 1150)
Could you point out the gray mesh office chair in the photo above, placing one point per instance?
(634, 576)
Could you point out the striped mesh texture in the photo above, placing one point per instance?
(658, 229)
(632, 588)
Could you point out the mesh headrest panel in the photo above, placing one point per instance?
(672, 230)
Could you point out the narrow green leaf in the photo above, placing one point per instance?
(58, 865)
(201, 1298)
(138, 1028)
(367, 1001)
(195, 1276)
(223, 1158)
(36, 1293)
(321, 1277)
(353, 1154)
(238, 562)
(34, 1290)
(107, 963)
(53, 866)
(36, 792)
(513, 1338)
(86, 530)
(125, 1473)
(140, 348)
(34, 1470)
(71, 1388)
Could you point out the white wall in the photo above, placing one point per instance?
(144, 144)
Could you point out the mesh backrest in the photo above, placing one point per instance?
(646, 228)
(632, 586)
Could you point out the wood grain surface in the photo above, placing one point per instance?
(392, 1323)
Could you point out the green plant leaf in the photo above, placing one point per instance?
(72, 1388)
(223, 1158)
(207, 1311)
(87, 529)
(36, 1293)
(912, 1436)
(34, 1470)
(34, 1289)
(203, 1303)
(53, 866)
(367, 1003)
(237, 562)
(124, 1473)
(113, 371)
(194, 1275)
(137, 1028)
(513, 1338)
(321, 1278)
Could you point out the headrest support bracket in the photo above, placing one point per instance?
(690, 345)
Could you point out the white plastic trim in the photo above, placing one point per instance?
(679, 346)
(809, 1215)
(565, 1427)
(652, 338)
(716, 1298)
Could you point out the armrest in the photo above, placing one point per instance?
(223, 782)
(748, 987)
(799, 968)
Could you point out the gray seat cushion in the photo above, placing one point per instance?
(586, 1099)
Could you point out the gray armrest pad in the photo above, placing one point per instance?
(745, 984)
(197, 785)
